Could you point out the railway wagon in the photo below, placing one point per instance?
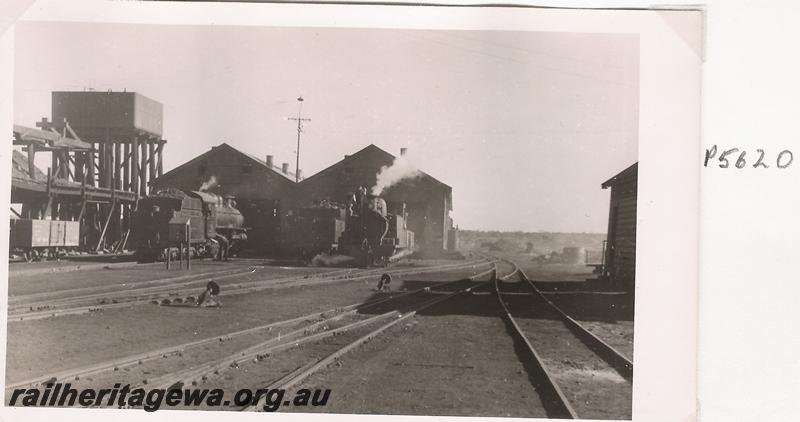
(215, 227)
(40, 239)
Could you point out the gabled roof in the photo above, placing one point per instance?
(623, 176)
(225, 146)
(371, 148)
(19, 168)
(289, 175)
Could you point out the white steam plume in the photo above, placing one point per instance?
(210, 183)
(400, 169)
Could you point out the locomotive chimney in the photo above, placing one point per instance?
(403, 151)
(269, 161)
(285, 168)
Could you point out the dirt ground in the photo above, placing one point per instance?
(594, 388)
(126, 277)
(455, 359)
(609, 316)
(548, 272)
(618, 334)
(21, 266)
(41, 347)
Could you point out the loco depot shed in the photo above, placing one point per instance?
(428, 201)
(262, 191)
(265, 193)
(620, 253)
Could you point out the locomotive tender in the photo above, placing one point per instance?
(215, 226)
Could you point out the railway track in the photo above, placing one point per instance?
(179, 288)
(564, 360)
(297, 376)
(94, 293)
(269, 338)
(576, 373)
(129, 286)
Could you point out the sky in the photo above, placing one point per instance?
(524, 126)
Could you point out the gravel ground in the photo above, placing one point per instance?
(593, 387)
(618, 335)
(610, 317)
(121, 277)
(548, 272)
(39, 347)
(455, 358)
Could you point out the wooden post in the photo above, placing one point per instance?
(101, 165)
(126, 168)
(143, 171)
(63, 164)
(160, 168)
(135, 166)
(90, 165)
(109, 165)
(31, 164)
(168, 256)
(188, 246)
(105, 226)
(79, 158)
(151, 160)
(83, 203)
(46, 209)
(54, 164)
(117, 166)
(70, 159)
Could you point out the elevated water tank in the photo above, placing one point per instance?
(97, 116)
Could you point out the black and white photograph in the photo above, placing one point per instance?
(337, 220)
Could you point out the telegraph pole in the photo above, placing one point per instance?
(300, 121)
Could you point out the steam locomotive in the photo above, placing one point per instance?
(210, 224)
(362, 228)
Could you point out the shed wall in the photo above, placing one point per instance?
(261, 194)
(621, 248)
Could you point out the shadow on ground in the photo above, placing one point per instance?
(482, 301)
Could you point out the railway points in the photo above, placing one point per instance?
(419, 331)
(253, 306)
(235, 284)
(404, 334)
